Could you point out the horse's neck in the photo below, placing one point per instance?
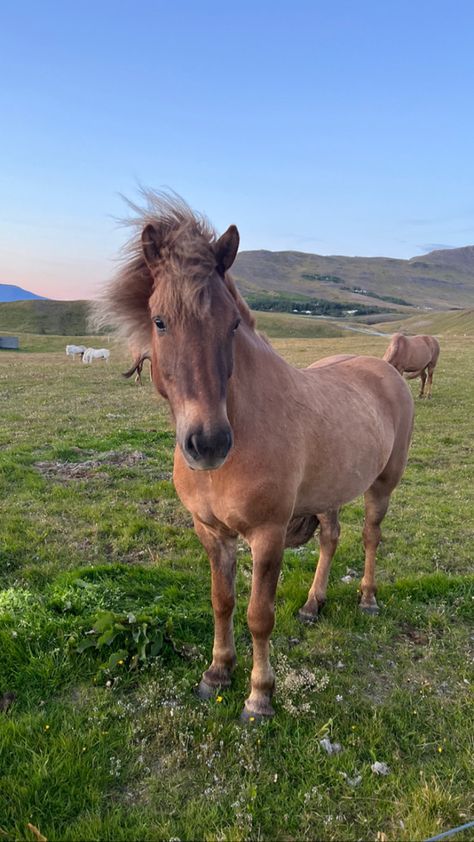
(260, 376)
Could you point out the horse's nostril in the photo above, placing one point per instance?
(192, 445)
(202, 447)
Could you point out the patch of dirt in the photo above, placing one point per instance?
(412, 635)
(6, 700)
(168, 510)
(66, 471)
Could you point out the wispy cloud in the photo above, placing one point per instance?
(426, 247)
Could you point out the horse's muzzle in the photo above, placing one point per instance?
(207, 451)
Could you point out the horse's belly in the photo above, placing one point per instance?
(342, 474)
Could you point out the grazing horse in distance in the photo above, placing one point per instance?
(137, 368)
(263, 450)
(139, 355)
(414, 356)
(75, 351)
(96, 354)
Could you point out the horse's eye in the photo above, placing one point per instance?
(160, 325)
(235, 325)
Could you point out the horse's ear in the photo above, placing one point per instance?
(150, 244)
(226, 249)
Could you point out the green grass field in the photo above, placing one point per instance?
(451, 323)
(91, 523)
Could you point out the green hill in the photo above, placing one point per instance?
(65, 318)
(69, 318)
(279, 325)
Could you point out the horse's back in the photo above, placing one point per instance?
(360, 427)
(377, 383)
(332, 360)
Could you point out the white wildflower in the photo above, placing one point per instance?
(380, 768)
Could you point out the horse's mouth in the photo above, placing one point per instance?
(201, 464)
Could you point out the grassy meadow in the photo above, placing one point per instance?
(93, 538)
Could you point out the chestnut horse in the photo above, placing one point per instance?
(414, 356)
(137, 368)
(264, 450)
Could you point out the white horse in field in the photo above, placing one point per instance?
(96, 354)
(75, 350)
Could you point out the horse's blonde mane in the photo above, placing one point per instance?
(186, 263)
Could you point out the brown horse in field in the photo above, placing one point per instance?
(414, 356)
(137, 368)
(264, 450)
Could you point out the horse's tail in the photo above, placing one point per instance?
(300, 530)
(137, 365)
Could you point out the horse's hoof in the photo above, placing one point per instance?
(308, 614)
(306, 617)
(205, 691)
(248, 717)
(369, 608)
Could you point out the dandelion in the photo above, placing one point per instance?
(219, 699)
(440, 749)
(251, 719)
(120, 662)
(47, 727)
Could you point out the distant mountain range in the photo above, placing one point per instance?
(10, 292)
(439, 280)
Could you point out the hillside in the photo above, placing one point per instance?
(10, 292)
(438, 280)
(454, 323)
(44, 316)
(69, 318)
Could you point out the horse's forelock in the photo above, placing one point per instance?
(186, 261)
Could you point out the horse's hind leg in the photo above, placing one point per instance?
(431, 369)
(377, 498)
(329, 531)
(221, 549)
(423, 381)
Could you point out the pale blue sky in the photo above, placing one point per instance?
(334, 127)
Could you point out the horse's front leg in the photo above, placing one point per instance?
(267, 545)
(221, 549)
